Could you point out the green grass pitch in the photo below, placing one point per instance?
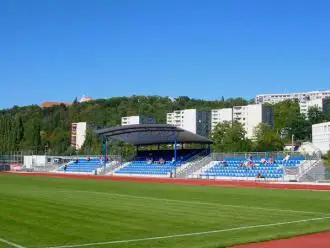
(40, 212)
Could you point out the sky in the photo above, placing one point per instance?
(57, 50)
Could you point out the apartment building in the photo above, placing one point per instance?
(132, 120)
(221, 115)
(78, 134)
(300, 96)
(251, 116)
(322, 104)
(321, 136)
(195, 121)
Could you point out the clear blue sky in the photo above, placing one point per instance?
(58, 49)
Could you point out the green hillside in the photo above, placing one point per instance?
(37, 129)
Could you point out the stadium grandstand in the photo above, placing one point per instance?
(147, 162)
(181, 162)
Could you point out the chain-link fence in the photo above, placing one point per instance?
(266, 155)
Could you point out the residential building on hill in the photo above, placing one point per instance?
(78, 134)
(131, 120)
(321, 136)
(85, 99)
(322, 104)
(52, 104)
(301, 96)
(195, 121)
(221, 115)
(250, 116)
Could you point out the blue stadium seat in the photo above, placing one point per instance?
(83, 165)
(231, 167)
(140, 166)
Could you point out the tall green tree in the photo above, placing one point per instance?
(267, 139)
(300, 127)
(285, 113)
(230, 137)
(315, 115)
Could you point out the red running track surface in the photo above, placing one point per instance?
(222, 183)
(318, 240)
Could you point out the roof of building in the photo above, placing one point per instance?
(151, 134)
(52, 104)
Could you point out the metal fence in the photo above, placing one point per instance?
(30, 161)
(274, 155)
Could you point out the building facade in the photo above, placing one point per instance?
(133, 120)
(221, 115)
(195, 121)
(322, 104)
(250, 116)
(321, 136)
(301, 96)
(306, 105)
(78, 134)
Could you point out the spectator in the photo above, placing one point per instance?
(286, 159)
(260, 175)
(263, 161)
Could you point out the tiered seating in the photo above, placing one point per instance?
(234, 167)
(82, 165)
(141, 166)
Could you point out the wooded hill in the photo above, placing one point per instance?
(37, 129)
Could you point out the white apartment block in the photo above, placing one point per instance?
(306, 105)
(221, 115)
(301, 96)
(132, 120)
(251, 116)
(78, 134)
(321, 136)
(195, 121)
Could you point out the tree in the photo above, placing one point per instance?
(230, 137)
(285, 113)
(36, 143)
(19, 131)
(300, 127)
(267, 139)
(315, 115)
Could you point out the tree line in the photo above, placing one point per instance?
(47, 130)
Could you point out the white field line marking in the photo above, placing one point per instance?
(194, 202)
(189, 234)
(11, 243)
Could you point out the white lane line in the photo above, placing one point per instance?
(188, 234)
(11, 243)
(193, 202)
